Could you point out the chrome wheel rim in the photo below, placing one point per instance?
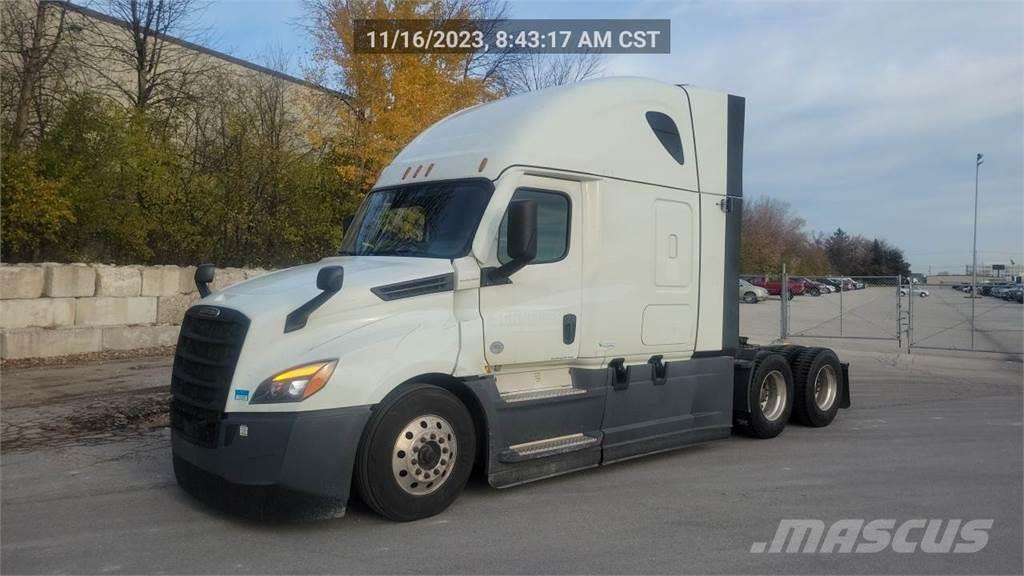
(772, 395)
(826, 386)
(424, 454)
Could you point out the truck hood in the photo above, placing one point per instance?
(361, 272)
(271, 297)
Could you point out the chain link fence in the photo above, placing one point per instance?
(864, 307)
(949, 317)
(893, 308)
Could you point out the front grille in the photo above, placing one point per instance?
(204, 363)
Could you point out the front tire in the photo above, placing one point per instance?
(750, 298)
(770, 396)
(416, 454)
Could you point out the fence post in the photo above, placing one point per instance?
(910, 319)
(842, 288)
(899, 310)
(784, 308)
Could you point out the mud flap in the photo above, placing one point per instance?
(844, 400)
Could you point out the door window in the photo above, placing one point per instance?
(553, 213)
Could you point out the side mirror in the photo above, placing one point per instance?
(522, 232)
(203, 277)
(330, 278)
(520, 242)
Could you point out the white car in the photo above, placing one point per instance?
(921, 292)
(751, 294)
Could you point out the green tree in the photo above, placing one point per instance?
(117, 172)
(34, 211)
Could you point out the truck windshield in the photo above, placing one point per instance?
(429, 220)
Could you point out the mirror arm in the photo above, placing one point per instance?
(498, 275)
(296, 319)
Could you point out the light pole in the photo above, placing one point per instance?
(974, 250)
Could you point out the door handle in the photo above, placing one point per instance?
(568, 329)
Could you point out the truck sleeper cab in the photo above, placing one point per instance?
(537, 285)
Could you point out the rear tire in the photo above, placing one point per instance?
(818, 383)
(788, 351)
(421, 419)
(770, 396)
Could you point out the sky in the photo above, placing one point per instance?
(864, 115)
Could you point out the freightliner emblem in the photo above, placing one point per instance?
(209, 311)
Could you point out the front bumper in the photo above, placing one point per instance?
(305, 454)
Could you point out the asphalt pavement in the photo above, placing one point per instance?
(927, 437)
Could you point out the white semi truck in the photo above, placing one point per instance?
(537, 285)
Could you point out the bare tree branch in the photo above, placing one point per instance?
(538, 71)
(32, 42)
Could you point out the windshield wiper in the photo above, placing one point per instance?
(394, 252)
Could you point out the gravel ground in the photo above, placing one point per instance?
(85, 402)
(79, 359)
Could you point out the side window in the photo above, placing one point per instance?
(553, 212)
(668, 134)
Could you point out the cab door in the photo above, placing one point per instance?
(535, 317)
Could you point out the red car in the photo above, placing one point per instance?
(774, 285)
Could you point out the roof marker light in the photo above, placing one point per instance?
(429, 168)
(483, 164)
(417, 172)
(406, 173)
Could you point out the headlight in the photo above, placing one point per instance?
(295, 384)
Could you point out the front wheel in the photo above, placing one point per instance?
(750, 298)
(416, 454)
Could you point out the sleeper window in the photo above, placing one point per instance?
(668, 134)
(553, 213)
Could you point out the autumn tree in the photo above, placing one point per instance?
(392, 97)
(772, 236)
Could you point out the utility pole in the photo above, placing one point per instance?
(974, 250)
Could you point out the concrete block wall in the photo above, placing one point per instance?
(53, 309)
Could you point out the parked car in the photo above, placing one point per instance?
(751, 294)
(843, 284)
(997, 290)
(921, 292)
(812, 287)
(991, 289)
(857, 285)
(774, 286)
(1012, 293)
